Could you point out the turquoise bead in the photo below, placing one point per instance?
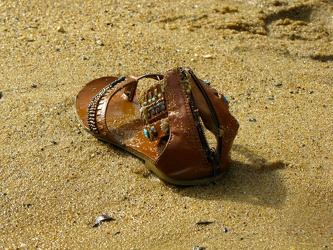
(226, 99)
(146, 133)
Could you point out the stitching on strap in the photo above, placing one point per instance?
(93, 105)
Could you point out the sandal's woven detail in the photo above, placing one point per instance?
(153, 104)
(153, 109)
(95, 104)
(164, 125)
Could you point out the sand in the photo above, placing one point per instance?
(272, 58)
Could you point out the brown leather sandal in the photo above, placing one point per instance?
(166, 125)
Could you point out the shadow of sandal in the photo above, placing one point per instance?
(257, 182)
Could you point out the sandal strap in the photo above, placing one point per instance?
(98, 105)
(191, 102)
(185, 145)
(131, 88)
(214, 110)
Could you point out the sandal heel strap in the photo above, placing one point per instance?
(214, 110)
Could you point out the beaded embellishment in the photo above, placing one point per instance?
(152, 109)
(97, 101)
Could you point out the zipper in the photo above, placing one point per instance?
(210, 105)
(211, 153)
(214, 153)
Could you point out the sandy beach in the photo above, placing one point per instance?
(273, 59)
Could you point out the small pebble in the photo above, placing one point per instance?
(1, 94)
(207, 56)
(198, 248)
(33, 85)
(225, 230)
(61, 29)
(27, 39)
(23, 246)
(252, 120)
(24, 38)
(100, 43)
(102, 218)
(31, 27)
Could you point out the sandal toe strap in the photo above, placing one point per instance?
(97, 121)
(97, 108)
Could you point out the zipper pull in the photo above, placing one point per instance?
(214, 161)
